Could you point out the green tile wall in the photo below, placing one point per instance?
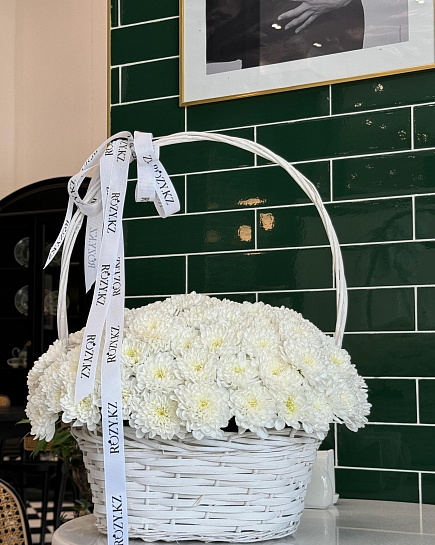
(246, 231)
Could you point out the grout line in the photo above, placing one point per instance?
(400, 378)
(145, 100)
(420, 500)
(187, 274)
(413, 218)
(415, 308)
(412, 128)
(331, 181)
(387, 469)
(185, 121)
(408, 424)
(146, 61)
(417, 398)
(119, 13)
(256, 296)
(145, 22)
(255, 140)
(120, 86)
(330, 99)
(185, 194)
(335, 444)
(256, 230)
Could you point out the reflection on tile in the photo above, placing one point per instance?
(426, 309)
(427, 401)
(392, 400)
(388, 175)
(205, 155)
(133, 209)
(164, 275)
(189, 234)
(133, 78)
(144, 42)
(339, 136)
(425, 217)
(260, 271)
(390, 447)
(384, 92)
(353, 222)
(133, 11)
(159, 117)
(424, 134)
(377, 485)
(253, 187)
(261, 109)
(392, 354)
(389, 264)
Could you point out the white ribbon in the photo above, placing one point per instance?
(104, 267)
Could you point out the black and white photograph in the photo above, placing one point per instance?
(240, 47)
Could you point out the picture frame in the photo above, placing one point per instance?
(238, 48)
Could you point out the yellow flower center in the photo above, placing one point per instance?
(162, 412)
(290, 404)
(216, 343)
(198, 366)
(253, 402)
(159, 373)
(239, 370)
(336, 360)
(203, 403)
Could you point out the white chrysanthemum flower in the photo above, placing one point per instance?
(254, 409)
(51, 384)
(76, 338)
(133, 351)
(52, 355)
(218, 338)
(318, 414)
(237, 370)
(309, 359)
(156, 414)
(197, 365)
(157, 373)
(86, 412)
(291, 404)
(183, 338)
(277, 374)
(349, 404)
(153, 330)
(42, 419)
(203, 408)
(257, 341)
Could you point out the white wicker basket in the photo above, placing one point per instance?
(237, 489)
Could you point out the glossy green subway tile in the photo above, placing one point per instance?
(384, 176)
(389, 264)
(389, 447)
(259, 110)
(222, 273)
(384, 92)
(144, 42)
(424, 133)
(114, 86)
(428, 488)
(393, 400)
(316, 306)
(133, 11)
(377, 485)
(190, 234)
(425, 216)
(133, 209)
(160, 117)
(426, 309)
(369, 310)
(371, 221)
(154, 276)
(205, 155)
(392, 354)
(136, 302)
(339, 136)
(149, 80)
(329, 442)
(427, 401)
(253, 187)
(114, 13)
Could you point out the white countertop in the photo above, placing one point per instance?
(350, 522)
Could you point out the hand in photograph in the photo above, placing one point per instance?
(308, 11)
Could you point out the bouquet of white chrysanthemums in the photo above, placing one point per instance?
(195, 364)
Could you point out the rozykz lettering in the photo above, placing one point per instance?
(114, 201)
(122, 151)
(163, 185)
(113, 344)
(92, 247)
(113, 427)
(103, 285)
(117, 283)
(85, 370)
(118, 526)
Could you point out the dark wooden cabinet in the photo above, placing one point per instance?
(30, 220)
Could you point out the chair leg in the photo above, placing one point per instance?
(44, 507)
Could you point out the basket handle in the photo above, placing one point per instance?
(308, 188)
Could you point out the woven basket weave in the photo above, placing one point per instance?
(237, 489)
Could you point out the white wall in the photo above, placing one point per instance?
(53, 87)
